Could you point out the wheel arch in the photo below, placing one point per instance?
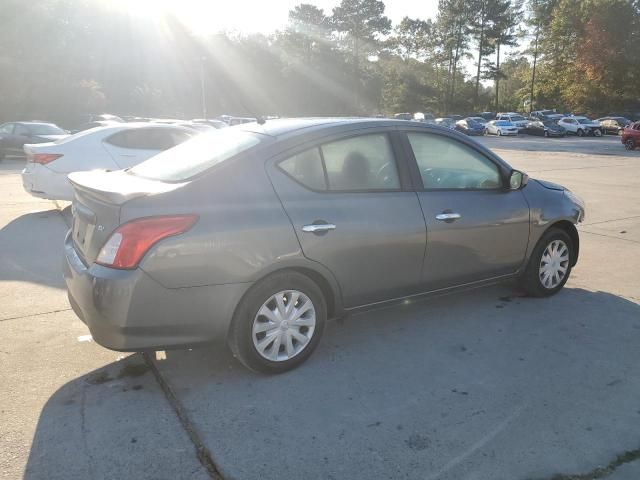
(323, 279)
(572, 231)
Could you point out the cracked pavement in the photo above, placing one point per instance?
(480, 385)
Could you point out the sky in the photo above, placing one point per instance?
(264, 16)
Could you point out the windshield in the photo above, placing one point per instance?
(550, 123)
(45, 129)
(196, 155)
(547, 112)
(517, 118)
(473, 123)
(503, 123)
(584, 120)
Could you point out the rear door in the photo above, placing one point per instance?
(352, 209)
(476, 229)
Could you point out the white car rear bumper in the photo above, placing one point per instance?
(41, 182)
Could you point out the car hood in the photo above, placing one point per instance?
(550, 185)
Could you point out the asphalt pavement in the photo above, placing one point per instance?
(486, 384)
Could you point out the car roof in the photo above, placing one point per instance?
(286, 126)
(34, 122)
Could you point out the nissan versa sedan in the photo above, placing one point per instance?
(258, 234)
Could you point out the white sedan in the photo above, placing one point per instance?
(112, 147)
(500, 128)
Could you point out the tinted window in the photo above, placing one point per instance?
(148, 138)
(45, 129)
(21, 130)
(196, 155)
(306, 168)
(361, 163)
(445, 163)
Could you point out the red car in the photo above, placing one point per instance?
(631, 136)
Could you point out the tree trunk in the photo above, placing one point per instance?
(455, 64)
(533, 73)
(497, 77)
(481, 46)
(356, 74)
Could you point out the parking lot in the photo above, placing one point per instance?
(486, 384)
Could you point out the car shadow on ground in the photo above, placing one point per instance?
(485, 381)
(26, 244)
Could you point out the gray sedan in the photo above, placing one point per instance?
(258, 234)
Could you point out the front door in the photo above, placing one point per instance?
(476, 229)
(352, 214)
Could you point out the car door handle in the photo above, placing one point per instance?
(318, 227)
(445, 217)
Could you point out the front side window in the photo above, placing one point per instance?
(7, 128)
(445, 163)
(362, 163)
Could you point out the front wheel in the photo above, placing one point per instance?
(630, 144)
(499, 133)
(597, 133)
(278, 323)
(546, 134)
(580, 132)
(550, 264)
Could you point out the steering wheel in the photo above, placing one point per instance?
(383, 175)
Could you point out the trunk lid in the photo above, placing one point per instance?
(98, 199)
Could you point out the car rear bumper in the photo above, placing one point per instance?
(127, 310)
(42, 182)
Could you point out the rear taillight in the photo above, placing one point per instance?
(43, 158)
(131, 241)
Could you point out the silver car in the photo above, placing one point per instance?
(260, 233)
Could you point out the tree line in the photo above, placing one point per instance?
(61, 58)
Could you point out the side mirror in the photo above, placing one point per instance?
(517, 180)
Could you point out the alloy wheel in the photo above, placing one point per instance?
(554, 264)
(284, 325)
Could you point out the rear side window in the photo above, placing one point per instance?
(196, 155)
(445, 163)
(148, 138)
(306, 168)
(363, 163)
(7, 128)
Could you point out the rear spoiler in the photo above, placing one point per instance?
(117, 187)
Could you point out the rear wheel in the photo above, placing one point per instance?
(580, 132)
(550, 264)
(630, 144)
(278, 323)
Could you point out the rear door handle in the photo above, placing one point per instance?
(448, 217)
(319, 227)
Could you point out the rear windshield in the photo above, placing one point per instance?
(503, 123)
(196, 155)
(45, 129)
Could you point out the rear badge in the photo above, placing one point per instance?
(100, 228)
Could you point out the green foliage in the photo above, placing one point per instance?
(61, 58)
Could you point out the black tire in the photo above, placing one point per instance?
(630, 144)
(546, 134)
(530, 280)
(580, 132)
(240, 334)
